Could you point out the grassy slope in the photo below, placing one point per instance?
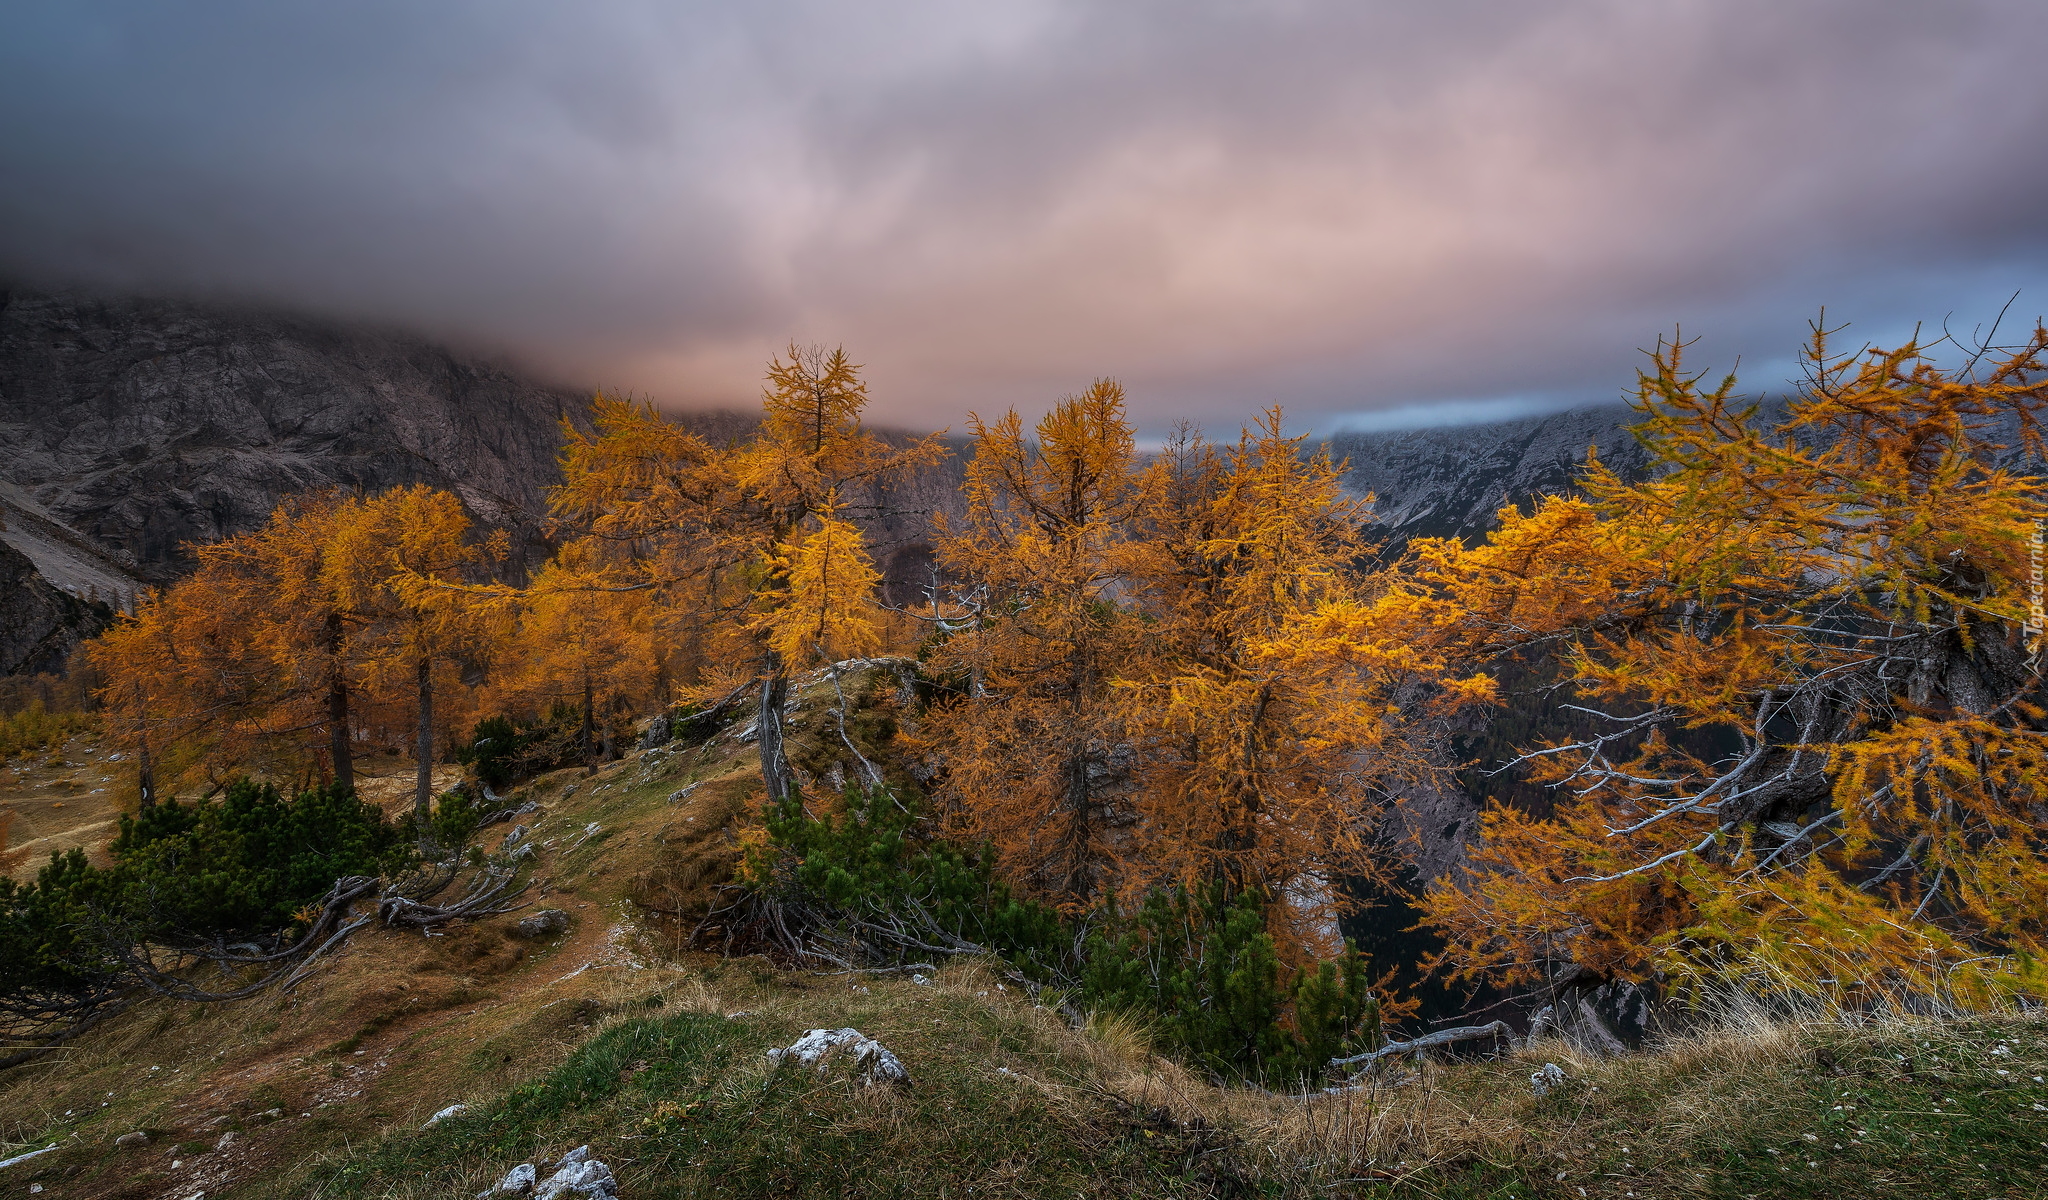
(607, 1035)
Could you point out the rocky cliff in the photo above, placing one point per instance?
(146, 425)
(1449, 482)
(40, 623)
(133, 428)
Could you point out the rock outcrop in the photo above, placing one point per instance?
(40, 624)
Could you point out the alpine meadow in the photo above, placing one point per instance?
(1081, 817)
(1026, 600)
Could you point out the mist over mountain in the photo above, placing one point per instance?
(131, 428)
(148, 424)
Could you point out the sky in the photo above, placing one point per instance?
(1375, 214)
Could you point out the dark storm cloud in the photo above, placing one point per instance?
(1346, 207)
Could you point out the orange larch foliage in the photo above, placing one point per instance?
(295, 629)
(1037, 758)
(1183, 674)
(744, 544)
(398, 564)
(230, 668)
(593, 650)
(1823, 758)
(1265, 718)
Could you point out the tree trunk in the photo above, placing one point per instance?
(768, 730)
(1079, 834)
(145, 776)
(339, 741)
(589, 727)
(423, 785)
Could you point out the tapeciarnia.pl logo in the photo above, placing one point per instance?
(2037, 595)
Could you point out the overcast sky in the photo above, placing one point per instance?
(1436, 209)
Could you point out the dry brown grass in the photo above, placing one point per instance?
(470, 1016)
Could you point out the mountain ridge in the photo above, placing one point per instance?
(132, 428)
(149, 424)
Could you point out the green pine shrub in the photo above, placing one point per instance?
(249, 861)
(871, 863)
(1197, 966)
(455, 818)
(247, 867)
(1202, 969)
(495, 751)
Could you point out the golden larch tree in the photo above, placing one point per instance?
(1036, 754)
(397, 562)
(233, 664)
(1821, 749)
(1265, 721)
(714, 533)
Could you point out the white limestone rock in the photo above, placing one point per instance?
(818, 1046)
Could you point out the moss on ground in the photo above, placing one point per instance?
(688, 1105)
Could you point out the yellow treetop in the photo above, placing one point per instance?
(829, 612)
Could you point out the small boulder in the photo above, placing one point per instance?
(129, 1141)
(876, 1064)
(517, 1182)
(578, 1176)
(1547, 1080)
(546, 923)
(450, 1111)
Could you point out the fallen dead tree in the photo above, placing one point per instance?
(129, 964)
(1443, 1037)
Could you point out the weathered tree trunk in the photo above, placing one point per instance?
(145, 774)
(423, 782)
(339, 742)
(145, 777)
(768, 730)
(589, 727)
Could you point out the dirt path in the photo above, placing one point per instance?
(60, 799)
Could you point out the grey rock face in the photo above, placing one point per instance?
(40, 624)
(1607, 1019)
(148, 424)
(517, 1182)
(578, 1174)
(874, 1062)
(1450, 482)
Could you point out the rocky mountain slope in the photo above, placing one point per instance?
(40, 623)
(130, 428)
(148, 424)
(1449, 482)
